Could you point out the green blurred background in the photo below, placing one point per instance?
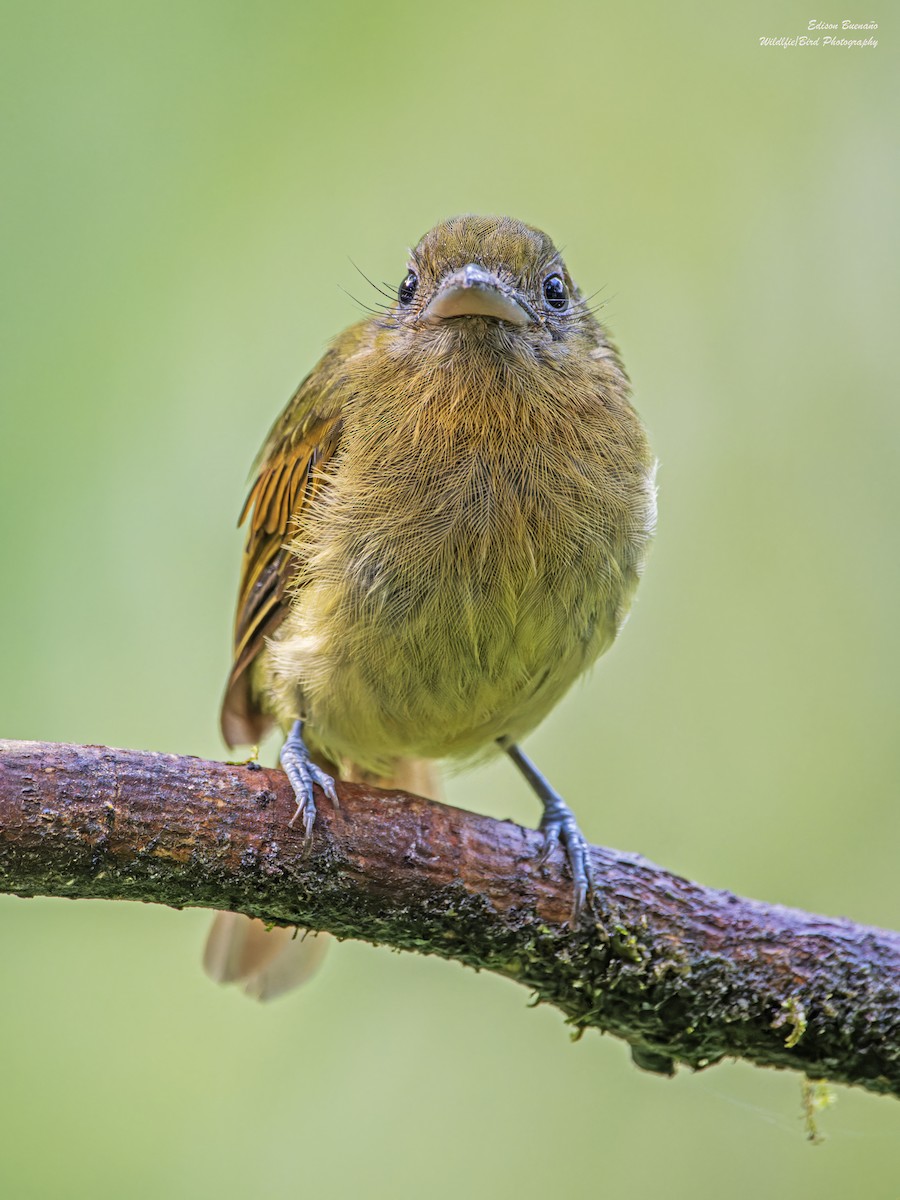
(184, 186)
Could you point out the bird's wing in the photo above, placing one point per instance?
(287, 477)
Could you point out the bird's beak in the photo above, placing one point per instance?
(473, 291)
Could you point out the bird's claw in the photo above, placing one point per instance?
(304, 774)
(559, 825)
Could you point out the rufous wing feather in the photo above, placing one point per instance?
(288, 473)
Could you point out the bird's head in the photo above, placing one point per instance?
(489, 278)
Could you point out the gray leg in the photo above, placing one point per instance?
(303, 773)
(558, 824)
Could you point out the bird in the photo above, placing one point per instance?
(446, 527)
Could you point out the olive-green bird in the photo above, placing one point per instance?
(447, 526)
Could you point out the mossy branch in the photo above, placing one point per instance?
(682, 972)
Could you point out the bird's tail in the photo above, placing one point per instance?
(268, 962)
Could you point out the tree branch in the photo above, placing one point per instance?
(682, 972)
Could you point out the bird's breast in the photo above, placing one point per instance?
(453, 582)
(485, 480)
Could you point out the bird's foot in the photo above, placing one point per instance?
(303, 774)
(558, 824)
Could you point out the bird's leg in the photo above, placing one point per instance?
(558, 824)
(303, 773)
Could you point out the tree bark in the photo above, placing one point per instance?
(683, 972)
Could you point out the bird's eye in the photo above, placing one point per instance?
(407, 289)
(555, 291)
